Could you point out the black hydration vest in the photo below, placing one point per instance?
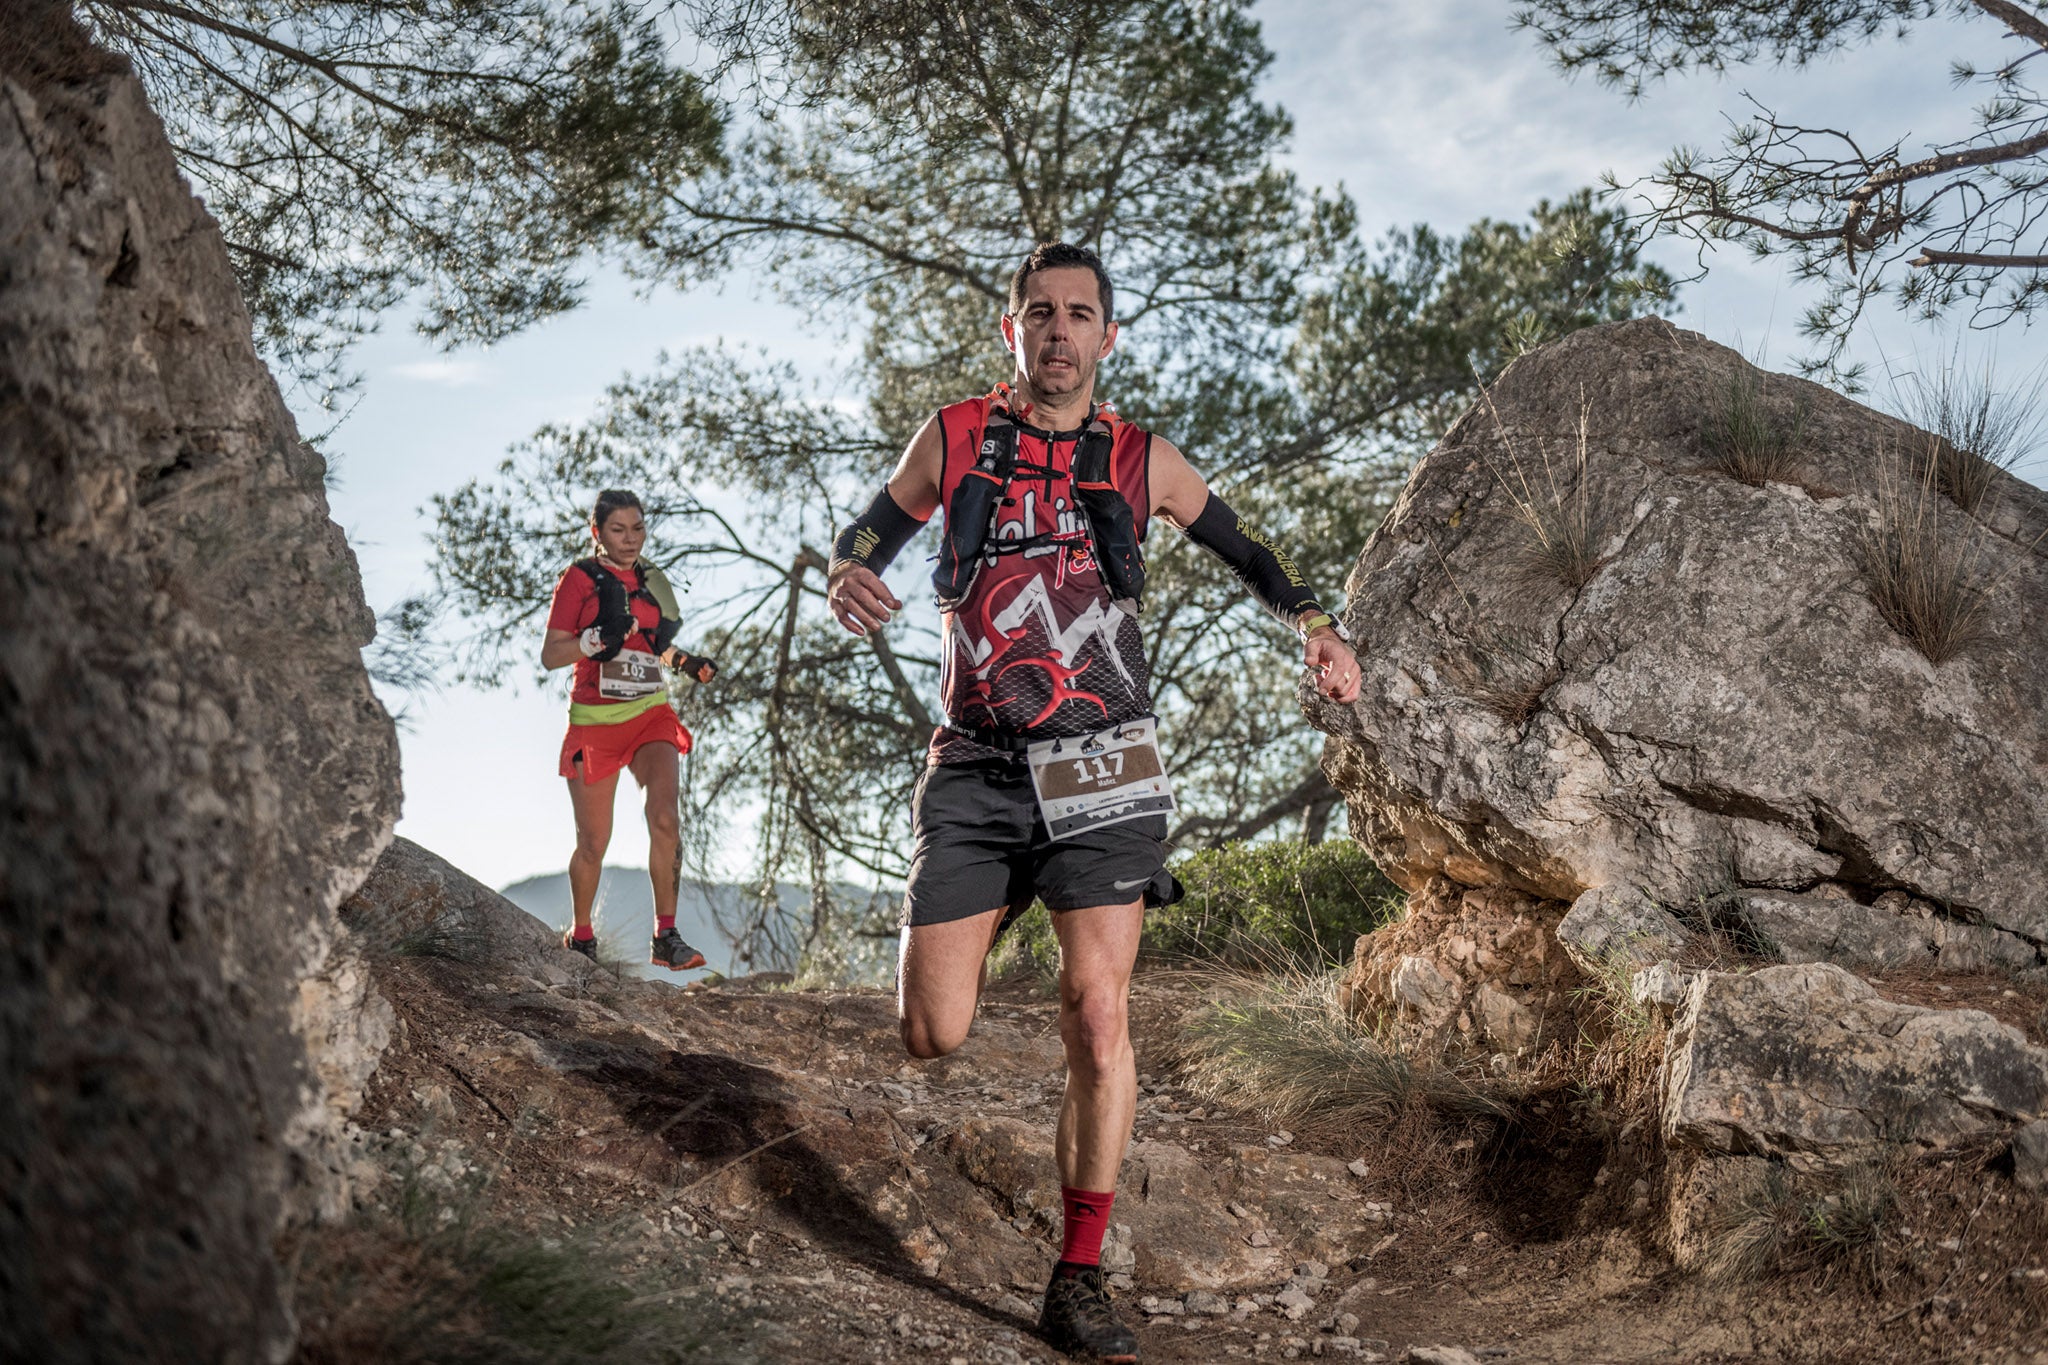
(614, 606)
(971, 512)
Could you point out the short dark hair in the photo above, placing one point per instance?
(614, 500)
(1059, 256)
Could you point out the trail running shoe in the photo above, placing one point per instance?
(671, 952)
(1079, 1319)
(585, 946)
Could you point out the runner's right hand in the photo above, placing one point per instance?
(591, 642)
(859, 599)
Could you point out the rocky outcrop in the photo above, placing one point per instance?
(194, 767)
(1809, 1059)
(1708, 699)
(1477, 970)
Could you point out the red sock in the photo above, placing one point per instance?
(1087, 1219)
(585, 933)
(663, 923)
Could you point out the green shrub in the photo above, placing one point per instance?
(1278, 902)
(1247, 905)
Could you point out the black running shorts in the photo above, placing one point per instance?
(980, 844)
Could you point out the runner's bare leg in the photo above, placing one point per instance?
(655, 767)
(1098, 948)
(940, 969)
(592, 802)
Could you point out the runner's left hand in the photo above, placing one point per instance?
(1335, 666)
(693, 665)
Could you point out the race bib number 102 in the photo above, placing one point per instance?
(1089, 781)
(633, 674)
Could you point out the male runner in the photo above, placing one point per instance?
(1047, 496)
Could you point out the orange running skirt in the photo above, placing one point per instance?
(608, 748)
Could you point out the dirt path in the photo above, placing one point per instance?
(770, 1159)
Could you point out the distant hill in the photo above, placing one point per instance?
(624, 913)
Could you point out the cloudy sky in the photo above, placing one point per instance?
(1424, 111)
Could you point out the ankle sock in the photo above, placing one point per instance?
(663, 923)
(1087, 1219)
(585, 933)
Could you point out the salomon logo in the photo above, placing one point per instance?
(988, 447)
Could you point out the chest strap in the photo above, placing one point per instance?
(977, 497)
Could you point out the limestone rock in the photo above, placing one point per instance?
(1477, 969)
(1610, 921)
(416, 899)
(1441, 1355)
(2030, 1156)
(1810, 1059)
(1796, 928)
(195, 768)
(1721, 700)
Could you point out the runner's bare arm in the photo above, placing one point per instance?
(854, 592)
(1181, 497)
(559, 649)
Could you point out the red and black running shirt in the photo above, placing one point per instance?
(1038, 646)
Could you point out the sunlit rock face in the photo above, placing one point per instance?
(194, 770)
(1809, 1059)
(1718, 708)
(1475, 971)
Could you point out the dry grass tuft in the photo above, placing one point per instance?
(1930, 575)
(1827, 1223)
(1505, 676)
(1562, 531)
(1621, 1050)
(1746, 441)
(1284, 1048)
(1980, 430)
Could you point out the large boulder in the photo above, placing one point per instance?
(193, 771)
(1719, 705)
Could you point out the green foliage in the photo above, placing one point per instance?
(1858, 212)
(1275, 904)
(1250, 904)
(468, 154)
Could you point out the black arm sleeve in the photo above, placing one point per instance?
(1263, 567)
(877, 535)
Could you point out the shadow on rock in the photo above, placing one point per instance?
(743, 1134)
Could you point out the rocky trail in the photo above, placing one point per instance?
(789, 1184)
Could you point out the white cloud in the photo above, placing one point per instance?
(455, 374)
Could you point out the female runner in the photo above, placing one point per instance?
(614, 617)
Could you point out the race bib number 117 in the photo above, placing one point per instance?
(1088, 781)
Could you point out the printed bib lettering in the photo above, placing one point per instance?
(1089, 781)
(632, 675)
